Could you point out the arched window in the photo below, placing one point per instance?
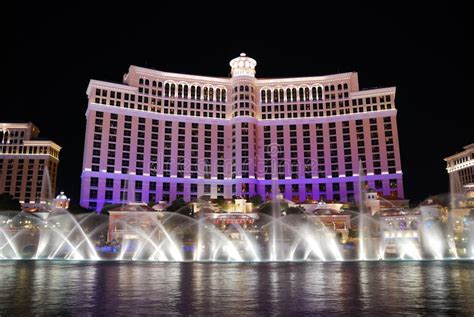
(314, 93)
(147, 82)
(193, 92)
(153, 83)
(339, 87)
(293, 94)
(269, 95)
(262, 96)
(282, 95)
(198, 92)
(160, 84)
(224, 94)
(218, 94)
(332, 87)
(301, 93)
(346, 86)
(140, 81)
(247, 88)
(186, 91)
(275, 95)
(167, 90)
(211, 94)
(172, 90)
(241, 88)
(320, 93)
(288, 94)
(205, 93)
(180, 90)
(306, 93)
(326, 88)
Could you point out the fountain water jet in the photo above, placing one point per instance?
(362, 251)
(275, 237)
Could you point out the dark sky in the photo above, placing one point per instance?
(424, 52)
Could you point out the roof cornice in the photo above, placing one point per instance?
(153, 72)
(103, 84)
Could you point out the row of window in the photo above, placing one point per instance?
(294, 150)
(28, 176)
(11, 136)
(219, 110)
(153, 191)
(276, 95)
(308, 114)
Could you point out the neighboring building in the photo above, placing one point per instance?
(431, 210)
(400, 221)
(161, 205)
(23, 158)
(376, 203)
(61, 201)
(127, 221)
(397, 228)
(160, 136)
(462, 217)
(331, 216)
(320, 205)
(460, 167)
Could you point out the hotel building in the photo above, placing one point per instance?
(160, 136)
(23, 158)
(460, 167)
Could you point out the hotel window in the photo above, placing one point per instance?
(138, 197)
(94, 181)
(109, 183)
(393, 183)
(138, 184)
(350, 186)
(93, 194)
(109, 194)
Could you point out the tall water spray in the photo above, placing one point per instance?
(362, 249)
(277, 230)
(158, 236)
(471, 237)
(46, 186)
(454, 183)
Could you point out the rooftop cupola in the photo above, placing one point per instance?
(243, 66)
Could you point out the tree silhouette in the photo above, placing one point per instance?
(7, 202)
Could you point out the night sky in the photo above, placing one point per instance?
(424, 52)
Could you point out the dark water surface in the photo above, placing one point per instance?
(338, 288)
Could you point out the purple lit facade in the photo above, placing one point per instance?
(160, 136)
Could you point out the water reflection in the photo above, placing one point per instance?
(109, 288)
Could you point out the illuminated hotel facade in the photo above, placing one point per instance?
(460, 168)
(160, 136)
(23, 158)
